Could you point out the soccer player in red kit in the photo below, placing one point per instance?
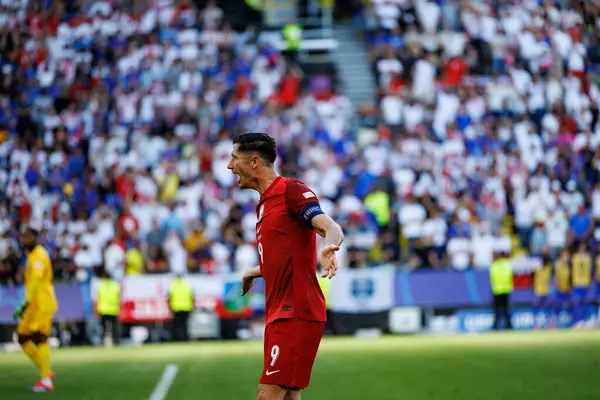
(289, 216)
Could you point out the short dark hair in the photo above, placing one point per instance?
(257, 142)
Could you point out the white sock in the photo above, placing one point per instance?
(47, 381)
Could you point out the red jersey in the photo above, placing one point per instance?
(455, 70)
(287, 251)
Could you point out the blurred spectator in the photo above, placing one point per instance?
(175, 252)
(157, 261)
(580, 225)
(539, 238)
(197, 247)
(154, 238)
(246, 257)
(173, 223)
(134, 260)
(114, 258)
(84, 262)
(482, 243)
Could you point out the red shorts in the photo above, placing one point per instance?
(291, 347)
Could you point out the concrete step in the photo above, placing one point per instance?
(348, 48)
(361, 83)
(344, 32)
(353, 61)
(350, 67)
(346, 42)
(361, 91)
(354, 66)
(354, 54)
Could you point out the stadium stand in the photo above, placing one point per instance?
(116, 123)
(488, 113)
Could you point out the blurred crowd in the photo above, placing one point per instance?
(486, 125)
(116, 120)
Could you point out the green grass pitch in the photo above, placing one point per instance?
(556, 365)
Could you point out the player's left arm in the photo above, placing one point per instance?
(329, 229)
(334, 236)
(303, 203)
(249, 277)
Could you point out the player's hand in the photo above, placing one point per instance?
(328, 260)
(248, 281)
(20, 310)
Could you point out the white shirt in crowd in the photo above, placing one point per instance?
(524, 208)
(114, 261)
(95, 244)
(221, 257)
(459, 249)
(571, 200)
(424, 80)
(429, 14)
(245, 257)
(521, 80)
(596, 203)
(386, 67)
(576, 58)
(265, 78)
(221, 155)
(388, 14)
(83, 259)
(411, 217)
(435, 229)
(413, 115)
(176, 254)
(557, 227)
(483, 250)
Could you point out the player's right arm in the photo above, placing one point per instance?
(304, 204)
(249, 277)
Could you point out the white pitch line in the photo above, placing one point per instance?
(165, 382)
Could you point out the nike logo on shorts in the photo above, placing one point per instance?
(271, 372)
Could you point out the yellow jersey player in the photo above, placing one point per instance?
(37, 311)
(562, 274)
(542, 278)
(582, 278)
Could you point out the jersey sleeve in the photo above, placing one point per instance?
(301, 202)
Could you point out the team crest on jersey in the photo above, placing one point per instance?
(261, 210)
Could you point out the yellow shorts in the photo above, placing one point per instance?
(35, 321)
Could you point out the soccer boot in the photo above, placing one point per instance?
(42, 387)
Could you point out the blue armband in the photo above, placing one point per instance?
(309, 211)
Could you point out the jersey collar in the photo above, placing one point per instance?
(271, 187)
(269, 190)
